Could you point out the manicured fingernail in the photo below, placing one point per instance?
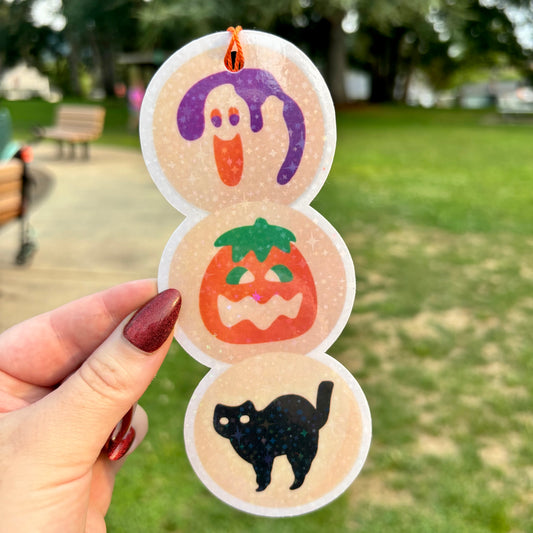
(120, 431)
(151, 325)
(120, 448)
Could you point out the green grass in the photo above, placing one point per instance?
(436, 208)
(27, 114)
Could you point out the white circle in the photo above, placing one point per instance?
(246, 506)
(217, 40)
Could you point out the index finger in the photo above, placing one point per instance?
(45, 349)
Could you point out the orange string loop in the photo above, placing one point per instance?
(234, 61)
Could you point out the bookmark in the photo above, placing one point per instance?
(238, 133)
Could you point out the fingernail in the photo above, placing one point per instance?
(120, 448)
(119, 433)
(151, 325)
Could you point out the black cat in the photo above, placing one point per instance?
(287, 426)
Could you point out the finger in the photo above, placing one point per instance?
(105, 470)
(83, 411)
(45, 349)
(15, 394)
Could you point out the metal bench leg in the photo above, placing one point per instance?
(28, 246)
(72, 151)
(86, 151)
(60, 149)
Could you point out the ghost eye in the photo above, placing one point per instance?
(224, 421)
(216, 118)
(233, 116)
(239, 275)
(279, 273)
(244, 419)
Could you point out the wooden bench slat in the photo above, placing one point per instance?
(6, 216)
(10, 201)
(7, 187)
(10, 190)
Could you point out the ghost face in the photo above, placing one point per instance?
(227, 122)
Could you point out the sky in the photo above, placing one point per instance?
(48, 13)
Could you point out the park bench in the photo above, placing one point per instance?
(14, 204)
(14, 184)
(75, 124)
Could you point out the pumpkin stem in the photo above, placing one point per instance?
(259, 238)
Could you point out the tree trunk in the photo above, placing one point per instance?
(336, 65)
(107, 64)
(385, 54)
(73, 65)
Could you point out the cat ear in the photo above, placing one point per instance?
(248, 406)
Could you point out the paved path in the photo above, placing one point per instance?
(102, 223)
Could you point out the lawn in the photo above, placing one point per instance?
(436, 208)
(27, 114)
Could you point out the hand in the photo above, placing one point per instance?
(66, 380)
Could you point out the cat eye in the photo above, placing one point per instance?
(239, 275)
(244, 419)
(224, 421)
(279, 273)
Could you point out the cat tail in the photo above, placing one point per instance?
(323, 400)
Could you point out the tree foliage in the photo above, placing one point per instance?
(20, 39)
(104, 29)
(393, 38)
(438, 37)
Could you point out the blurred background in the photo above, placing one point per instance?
(426, 52)
(431, 188)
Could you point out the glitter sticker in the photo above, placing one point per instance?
(279, 434)
(211, 137)
(277, 427)
(263, 277)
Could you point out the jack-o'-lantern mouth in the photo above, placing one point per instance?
(261, 314)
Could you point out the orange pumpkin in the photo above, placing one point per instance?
(258, 287)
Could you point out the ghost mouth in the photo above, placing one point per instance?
(262, 315)
(228, 157)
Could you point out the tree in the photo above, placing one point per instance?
(105, 29)
(439, 37)
(20, 40)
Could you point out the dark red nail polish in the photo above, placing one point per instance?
(120, 448)
(151, 325)
(120, 431)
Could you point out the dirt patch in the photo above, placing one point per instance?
(372, 297)
(496, 455)
(439, 446)
(370, 488)
(526, 272)
(426, 324)
(356, 319)
(501, 454)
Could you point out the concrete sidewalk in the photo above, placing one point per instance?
(104, 222)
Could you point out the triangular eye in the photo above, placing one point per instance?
(279, 273)
(239, 275)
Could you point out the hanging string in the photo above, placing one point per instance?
(234, 60)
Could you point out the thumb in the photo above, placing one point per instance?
(81, 414)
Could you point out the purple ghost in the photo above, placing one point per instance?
(254, 86)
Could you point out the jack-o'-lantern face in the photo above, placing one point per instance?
(258, 287)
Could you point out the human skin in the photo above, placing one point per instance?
(67, 378)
